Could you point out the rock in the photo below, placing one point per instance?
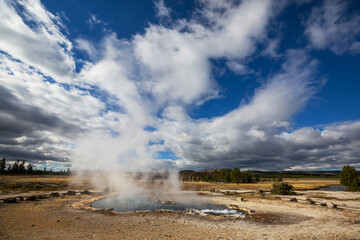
(241, 199)
(10, 200)
(212, 190)
(331, 205)
(85, 192)
(42, 196)
(54, 194)
(31, 198)
(293, 200)
(310, 201)
(72, 193)
(323, 204)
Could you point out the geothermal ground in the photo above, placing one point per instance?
(270, 217)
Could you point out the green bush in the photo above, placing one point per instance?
(350, 178)
(282, 188)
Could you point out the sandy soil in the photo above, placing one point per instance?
(55, 218)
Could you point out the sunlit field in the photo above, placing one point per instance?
(298, 183)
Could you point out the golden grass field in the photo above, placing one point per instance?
(26, 182)
(298, 183)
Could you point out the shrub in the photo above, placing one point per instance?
(350, 178)
(282, 188)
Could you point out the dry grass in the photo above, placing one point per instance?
(298, 183)
(26, 183)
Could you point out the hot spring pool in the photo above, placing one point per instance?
(130, 203)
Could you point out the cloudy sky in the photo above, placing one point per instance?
(260, 84)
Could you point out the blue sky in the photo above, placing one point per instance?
(269, 85)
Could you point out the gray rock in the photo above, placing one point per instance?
(54, 194)
(72, 193)
(31, 198)
(310, 201)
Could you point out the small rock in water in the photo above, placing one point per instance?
(331, 205)
(293, 200)
(85, 192)
(309, 200)
(241, 199)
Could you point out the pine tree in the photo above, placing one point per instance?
(2, 166)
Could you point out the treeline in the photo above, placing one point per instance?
(20, 167)
(221, 175)
(237, 176)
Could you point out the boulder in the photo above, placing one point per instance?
(54, 194)
(10, 200)
(72, 193)
(310, 201)
(31, 198)
(293, 200)
(331, 205)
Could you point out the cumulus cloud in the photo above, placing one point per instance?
(43, 45)
(130, 100)
(329, 26)
(161, 10)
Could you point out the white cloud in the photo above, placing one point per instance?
(161, 10)
(152, 79)
(42, 46)
(238, 68)
(330, 27)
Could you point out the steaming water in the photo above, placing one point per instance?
(130, 203)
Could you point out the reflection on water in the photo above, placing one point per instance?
(139, 202)
(336, 188)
